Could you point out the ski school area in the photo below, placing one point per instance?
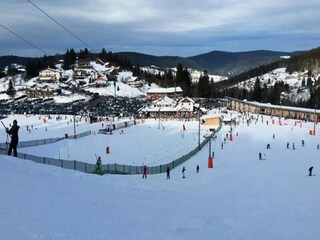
(153, 142)
(132, 142)
(240, 197)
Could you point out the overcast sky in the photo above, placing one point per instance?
(165, 27)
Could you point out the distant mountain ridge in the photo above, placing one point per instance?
(216, 62)
(233, 63)
(136, 58)
(6, 60)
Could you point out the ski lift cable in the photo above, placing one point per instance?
(9, 30)
(66, 29)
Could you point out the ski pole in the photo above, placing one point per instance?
(4, 125)
(5, 129)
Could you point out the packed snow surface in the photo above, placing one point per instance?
(242, 197)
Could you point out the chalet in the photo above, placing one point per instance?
(42, 90)
(161, 107)
(134, 82)
(100, 81)
(83, 63)
(186, 103)
(185, 108)
(157, 93)
(169, 108)
(49, 75)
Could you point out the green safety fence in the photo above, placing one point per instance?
(106, 168)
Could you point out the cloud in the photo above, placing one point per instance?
(142, 25)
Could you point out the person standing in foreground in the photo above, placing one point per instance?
(13, 132)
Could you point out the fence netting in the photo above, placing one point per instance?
(106, 168)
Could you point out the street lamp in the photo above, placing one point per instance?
(74, 123)
(159, 118)
(210, 158)
(315, 119)
(115, 89)
(199, 129)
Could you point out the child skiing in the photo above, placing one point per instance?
(98, 166)
(183, 170)
(144, 172)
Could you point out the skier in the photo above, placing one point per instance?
(144, 172)
(168, 172)
(13, 132)
(310, 171)
(293, 147)
(183, 170)
(318, 146)
(287, 145)
(98, 166)
(197, 168)
(302, 142)
(268, 146)
(260, 156)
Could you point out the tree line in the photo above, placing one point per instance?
(35, 65)
(205, 87)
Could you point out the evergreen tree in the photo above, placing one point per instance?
(31, 69)
(67, 60)
(186, 83)
(103, 55)
(179, 73)
(203, 85)
(10, 91)
(84, 54)
(136, 71)
(264, 93)
(256, 95)
(244, 93)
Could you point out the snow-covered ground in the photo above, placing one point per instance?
(242, 197)
(155, 142)
(297, 92)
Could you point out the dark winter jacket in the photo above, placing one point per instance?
(14, 133)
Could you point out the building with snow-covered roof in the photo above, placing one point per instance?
(169, 108)
(42, 90)
(134, 82)
(157, 93)
(83, 63)
(274, 110)
(186, 104)
(49, 75)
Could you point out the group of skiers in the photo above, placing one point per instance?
(144, 175)
(13, 133)
(293, 147)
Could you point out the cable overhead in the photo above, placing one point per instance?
(66, 29)
(24, 39)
